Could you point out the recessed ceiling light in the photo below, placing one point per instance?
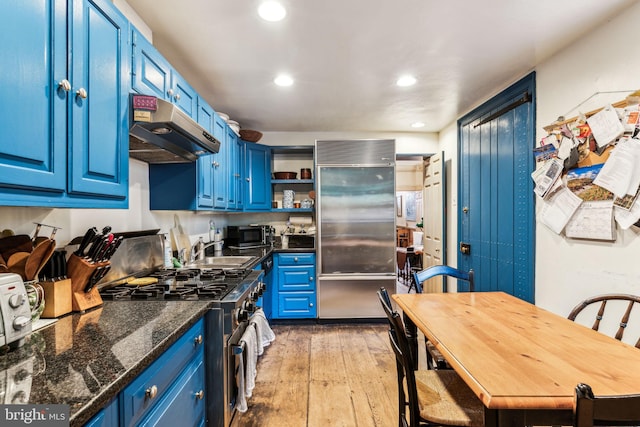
(406, 81)
(283, 80)
(417, 125)
(272, 11)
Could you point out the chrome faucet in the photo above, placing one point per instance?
(197, 250)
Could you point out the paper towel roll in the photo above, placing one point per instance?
(302, 220)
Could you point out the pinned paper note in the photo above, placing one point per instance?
(605, 126)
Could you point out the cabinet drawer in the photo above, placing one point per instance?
(297, 259)
(184, 403)
(297, 278)
(297, 305)
(159, 376)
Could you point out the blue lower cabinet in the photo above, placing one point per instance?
(295, 291)
(175, 379)
(184, 403)
(297, 305)
(107, 417)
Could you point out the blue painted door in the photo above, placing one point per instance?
(33, 113)
(496, 209)
(100, 70)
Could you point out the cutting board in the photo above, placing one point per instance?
(179, 239)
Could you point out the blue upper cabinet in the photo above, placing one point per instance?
(100, 73)
(234, 196)
(205, 163)
(256, 172)
(220, 175)
(153, 75)
(183, 95)
(65, 116)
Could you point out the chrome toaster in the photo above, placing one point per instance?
(15, 312)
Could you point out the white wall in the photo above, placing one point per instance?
(567, 270)
(406, 142)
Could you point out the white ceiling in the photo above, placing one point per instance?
(345, 56)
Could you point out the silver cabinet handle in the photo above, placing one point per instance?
(64, 85)
(82, 93)
(311, 279)
(170, 92)
(200, 395)
(295, 259)
(151, 392)
(177, 97)
(216, 164)
(248, 179)
(198, 340)
(310, 304)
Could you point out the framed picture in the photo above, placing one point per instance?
(410, 206)
(398, 205)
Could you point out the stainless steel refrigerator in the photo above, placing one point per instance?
(355, 204)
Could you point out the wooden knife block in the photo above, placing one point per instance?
(79, 271)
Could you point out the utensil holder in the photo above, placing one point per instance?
(80, 271)
(57, 298)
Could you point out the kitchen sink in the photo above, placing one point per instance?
(222, 262)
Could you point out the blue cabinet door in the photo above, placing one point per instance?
(205, 163)
(100, 70)
(257, 174)
(33, 111)
(107, 417)
(184, 404)
(183, 95)
(220, 177)
(233, 162)
(151, 73)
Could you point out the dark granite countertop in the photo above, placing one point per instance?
(264, 252)
(84, 360)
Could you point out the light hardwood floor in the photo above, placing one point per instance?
(320, 375)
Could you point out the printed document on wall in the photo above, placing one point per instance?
(592, 220)
(558, 210)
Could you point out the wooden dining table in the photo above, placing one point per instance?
(522, 361)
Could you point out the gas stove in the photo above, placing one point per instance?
(181, 284)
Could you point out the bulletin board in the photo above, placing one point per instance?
(587, 172)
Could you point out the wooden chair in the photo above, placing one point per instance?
(590, 410)
(432, 397)
(603, 300)
(435, 360)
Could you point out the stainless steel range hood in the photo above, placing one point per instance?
(161, 132)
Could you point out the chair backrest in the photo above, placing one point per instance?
(404, 362)
(590, 410)
(603, 300)
(443, 270)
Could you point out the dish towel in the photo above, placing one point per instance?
(249, 343)
(264, 332)
(241, 398)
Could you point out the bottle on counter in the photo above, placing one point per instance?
(168, 253)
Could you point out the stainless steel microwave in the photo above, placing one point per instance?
(245, 235)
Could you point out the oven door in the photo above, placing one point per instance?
(236, 365)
